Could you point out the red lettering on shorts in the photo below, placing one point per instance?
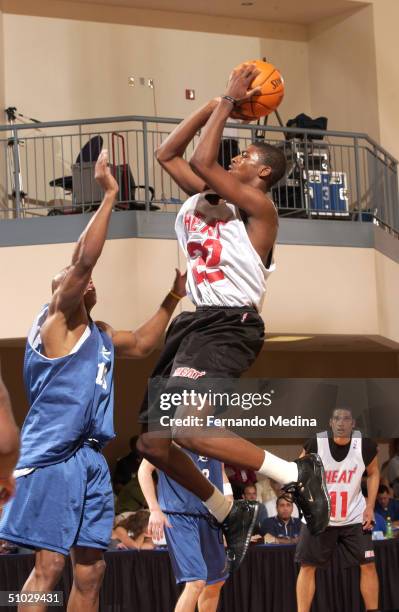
(188, 373)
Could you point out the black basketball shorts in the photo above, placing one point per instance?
(355, 545)
(211, 343)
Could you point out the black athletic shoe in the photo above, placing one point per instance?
(237, 528)
(310, 493)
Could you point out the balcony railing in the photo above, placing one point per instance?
(48, 169)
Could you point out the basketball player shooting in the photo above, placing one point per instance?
(64, 500)
(228, 264)
(9, 446)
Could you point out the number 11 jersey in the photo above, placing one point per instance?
(344, 481)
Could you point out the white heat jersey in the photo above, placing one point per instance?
(223, 268)
(344, 481)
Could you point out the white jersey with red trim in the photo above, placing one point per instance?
(344, 481)
(223, 268)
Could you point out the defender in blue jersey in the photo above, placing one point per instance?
(195, 543)
(64, 501)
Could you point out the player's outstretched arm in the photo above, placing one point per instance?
(140, 343)
(171, 151)
(88, 249)
(158, 520)
(9, 445)
(204, 160)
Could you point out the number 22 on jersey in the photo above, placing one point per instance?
(208, 256)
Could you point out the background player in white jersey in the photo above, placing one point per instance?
(64, 502)
(345, 455)
(9, 445)
(195, 544)
(227, 266)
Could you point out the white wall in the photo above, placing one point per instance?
(317, 290)
(78, 69)
(3, 199)
(74, 68)
(388, 296)
(1, 58)
(343, 78)
(386, 18)
(76, 58)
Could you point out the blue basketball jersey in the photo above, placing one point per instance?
(172, 497)
(70, 397)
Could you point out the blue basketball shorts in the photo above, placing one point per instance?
(196, 549)
(62, 505)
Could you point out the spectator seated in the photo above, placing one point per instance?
(131, 533)
(282, 528)
(387, 506)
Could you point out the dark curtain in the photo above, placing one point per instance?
(144, 582)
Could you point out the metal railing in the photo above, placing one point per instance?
(48, 168)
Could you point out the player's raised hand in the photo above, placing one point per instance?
(103, 175)
(179, 284)
(7, 489)
(158, 521)
(239, 83)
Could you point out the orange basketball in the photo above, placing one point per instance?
(271, 83)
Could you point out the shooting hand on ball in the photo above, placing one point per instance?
(239, 82)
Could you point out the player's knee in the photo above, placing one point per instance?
(308, 570)
(196, 586)
(214, 588)
(368, 569)
(88, 578)
(49, 566)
